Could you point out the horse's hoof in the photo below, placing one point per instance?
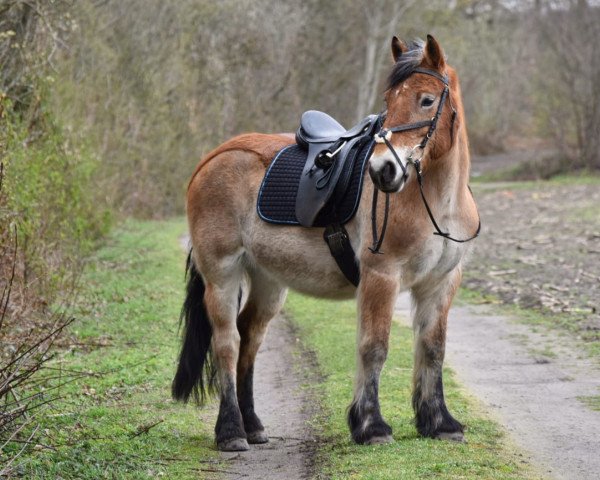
(258, 437)
(234, 445)
(380, 440)
(452, 436)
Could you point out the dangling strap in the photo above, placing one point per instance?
(341, 250)
(417, 165)
(378, 239)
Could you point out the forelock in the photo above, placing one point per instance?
(407, 63)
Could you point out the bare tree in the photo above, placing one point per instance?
(569, 70)
(382, 19)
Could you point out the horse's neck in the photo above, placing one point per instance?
(449, 176)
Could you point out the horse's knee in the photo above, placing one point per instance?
(372, 353)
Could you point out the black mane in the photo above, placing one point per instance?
(407, 63)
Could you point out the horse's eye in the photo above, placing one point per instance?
(427, 102)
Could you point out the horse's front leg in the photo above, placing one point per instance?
(432, 302)
(377, 294)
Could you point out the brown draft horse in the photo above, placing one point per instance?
(233, 250)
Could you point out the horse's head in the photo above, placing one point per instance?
(420, 88)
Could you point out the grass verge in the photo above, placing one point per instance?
(329, 328)
(116, 420)
(500, 180)
(592, 402)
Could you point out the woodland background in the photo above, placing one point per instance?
(106, 106)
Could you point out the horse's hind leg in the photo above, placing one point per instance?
(432, 302)
(265, 299)
(221, 300)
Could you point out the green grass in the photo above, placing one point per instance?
(494, 183)
(329, 329)
(592, 402)
(512, 175)
(130, 304)
(546, 352)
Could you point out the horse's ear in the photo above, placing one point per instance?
(434, 54)
(398, 48)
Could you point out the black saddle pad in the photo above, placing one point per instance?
(277, 195)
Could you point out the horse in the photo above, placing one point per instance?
(424, 174)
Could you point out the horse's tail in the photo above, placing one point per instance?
(196, 372)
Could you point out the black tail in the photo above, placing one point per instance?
(196, 372)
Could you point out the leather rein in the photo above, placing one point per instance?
(385, 135)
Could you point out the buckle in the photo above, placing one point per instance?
(336, 241)
(333, 154)
(412, 152)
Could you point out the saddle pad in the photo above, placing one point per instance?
(277, 196)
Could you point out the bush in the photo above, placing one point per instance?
(49, 195)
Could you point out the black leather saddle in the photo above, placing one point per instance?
(332, 152)
(318, 181)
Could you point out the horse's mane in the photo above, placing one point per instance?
(407, 63)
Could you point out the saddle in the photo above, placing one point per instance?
(332, 153)
(317, 182)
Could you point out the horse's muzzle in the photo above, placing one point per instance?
(387, 174)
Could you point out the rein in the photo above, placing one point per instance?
(385, 135)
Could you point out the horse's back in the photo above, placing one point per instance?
(264, 146)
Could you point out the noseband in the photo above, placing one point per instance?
(385, 135)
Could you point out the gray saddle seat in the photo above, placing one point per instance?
(331, 153)
(318, 127)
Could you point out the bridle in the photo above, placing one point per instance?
(385, 135)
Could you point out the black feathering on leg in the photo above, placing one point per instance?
(432, 417)
(376, 428)
(229, 422)
(364, 416)
(246, 401)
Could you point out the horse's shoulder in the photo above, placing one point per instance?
(265, 146)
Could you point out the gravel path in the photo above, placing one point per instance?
(535, 396)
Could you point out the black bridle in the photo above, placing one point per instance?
(385, 135)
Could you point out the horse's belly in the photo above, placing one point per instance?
(298, 258)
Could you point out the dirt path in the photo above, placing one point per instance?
(531, 383)
(284, 407)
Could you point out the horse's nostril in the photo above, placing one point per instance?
(388, 172)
